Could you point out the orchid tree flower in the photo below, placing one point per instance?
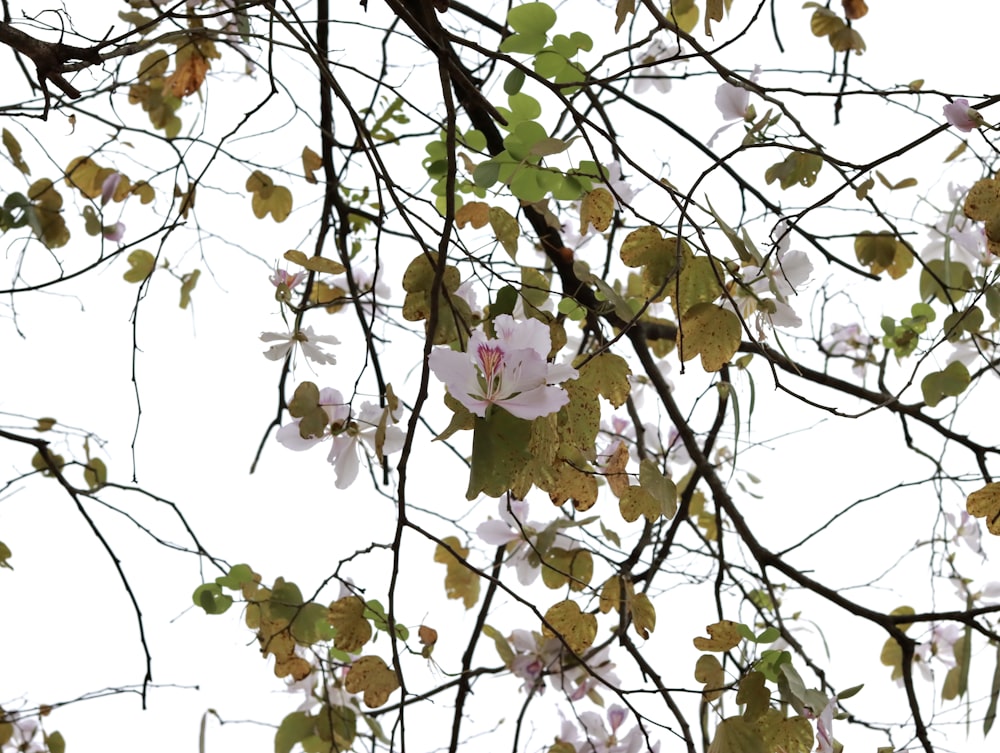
(598, 739)
(351, 437)
(284, 277)
(963, 117)
(765, 289)
(307, 340)
(734, 104)
(510, 371)
(849, 341)
(114, 232)
(655, 76)
(109, 186)
(520, 535)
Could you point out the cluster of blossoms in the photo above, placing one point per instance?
(514, 531)
(600, 738)
(26, 735)
(351, 436)
(537, 658)
(655, 74)
(510, 371)
(765, 290)
(849, 341)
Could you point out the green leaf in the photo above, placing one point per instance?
(946, 280)
(54, 742)
(531, 18)
(498, 452)
(991, 711)
(843, 695)
(950, 382)
(293, 729)
(504, 649)
(659, 487)
(209, 597)
(797, 167)
(237, 576)
(5, 554)
(513, 82)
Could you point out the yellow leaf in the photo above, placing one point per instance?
(371, 675)
(614, 470)
(824, 21)
(713, 332)
(892, 656)
(428, 638)
(14, 150)
(643, 615)
(576, 628)
(985, 503)
(44, 215)
(141, 265)
(267, 197)
(883, 252)
(460, 582)
(723, 636)
(353, 630)
(983, 203)
(637, 501)
(754, 695)
(855, 9)
(476, 213)
(610, 595)
(737, 735)
(597, 208)
(569, 483)
(315, 263)
(622, 10)
(791, 735)
(506, 229)
(684, 13)
(310, 163)
(709, 671)
(188, 282)
(713, 12)
(190, 73)
(45, 424)
(957, 151)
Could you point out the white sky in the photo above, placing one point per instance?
(208, 394)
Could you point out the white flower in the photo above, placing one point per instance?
(656, 75)
(510, 371)
(109, 186)
(734, 103)
(765, 289)
(306, 340)
(848, 340)
(520, 536)
(967, 530)
(350, 437)
(282, 277)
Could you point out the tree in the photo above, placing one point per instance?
(516, 268)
